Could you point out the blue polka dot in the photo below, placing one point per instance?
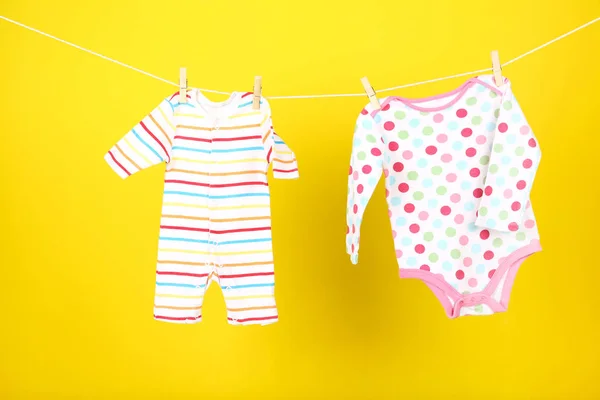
(505, 160)
(486, 106)
(349, 240)
(457, 146)
(495, 202)
(406, 241)
(455, 286)
(480, 88)
(392, 180)
(388, 159)
(512, 248)
(442, 245)
(396, 201)
(364, 201)
(417, 142)
(500, 181)
(453, 125)
(471, 227)
(469, 206)
(414, 123)
(447, 265)
(377, 118)
(367, 124)
(476, 248)
(437, 224)
(411, 261)
(462, 165)
(427, 183)
(480, 269)
(356, 142)
(490, 126)
(422, 163)
(372, 181)
(432, 203)
(516, 117)
(466, 185)
(511, 139)
(400, 221)
(491, 223)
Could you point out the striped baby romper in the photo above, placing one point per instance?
(216, 222)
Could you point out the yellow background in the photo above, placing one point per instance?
(78, 245)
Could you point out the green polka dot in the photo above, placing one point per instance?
(450, 232)
(498, 148)
(471, 101)
(507, 105)
(403, 135)
(484, 160)
(497, 112)
(514, 172)
(519, 151)
(427, 131)
(476, 120)
(455, 254)
(483, 211)
(361, 155)
(441, 190)
(371, 138)
(478, 308)
(424, 113)
(428, 236)
(436, 170)
(521, 236)
(497, 242)
(493, 168)
(433, 257)
(503, 215)
(418, 195)
(413, 175)
(493, 94)
(400, 114)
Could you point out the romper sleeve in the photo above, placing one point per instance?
(148, 143)
(366, 166)
(513, 163)
(282, 158)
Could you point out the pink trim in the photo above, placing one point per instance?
(461, 90)
(443, 290)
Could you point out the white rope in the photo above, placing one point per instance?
(315, 96)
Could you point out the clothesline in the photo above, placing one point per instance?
(314, 96)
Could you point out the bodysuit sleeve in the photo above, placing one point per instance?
(513, 163)
(148, 143)
(282, 158)
(366, 166)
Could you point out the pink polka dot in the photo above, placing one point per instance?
(353, 228)
(389, 213)
(532, 142)
(524, 130)
(438, 118)
(491, 273)
(478, 193)
(423, 215)
(407, 155)
(420, 249)
(445, 210)
(513, 226)
(355, 209)
(459, 219)
(398, 167)
(364, 112)
(389, 125)
(403, 187)
(484, 234)
(467, 262)
(386, 172)
(387, 193)
(360, 189)
(488, 255)
(521, 185)
(414, 228)
(350, 171)
(375, 151)
(508, 194)
(393, 146)
(431, 150)
(503, 127)
(352, 247)
(386, 107)
(409, 207)
(481, 139)
(474, 172)
(424, 267)
(460, 274)
(461, 113)
(446, 158)
(451, 177)
(471, 152)
(367, 169)
(355, 175)
(455, 198)
(527, 163)
(398, 253)
(472, 282)
(394, 234)
(464, 240)
(466, 132)
(442, 138)
(529, 224)
(515, 206)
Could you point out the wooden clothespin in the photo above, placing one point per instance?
(370, 93)
(257, 93)
(183, 85)
(497, 68)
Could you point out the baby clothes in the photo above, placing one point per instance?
(216, 223)
(458, 172)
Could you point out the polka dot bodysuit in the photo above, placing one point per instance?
(458, 171)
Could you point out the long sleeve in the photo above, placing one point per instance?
(148, 143)
(366, 166)
(514, 160)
